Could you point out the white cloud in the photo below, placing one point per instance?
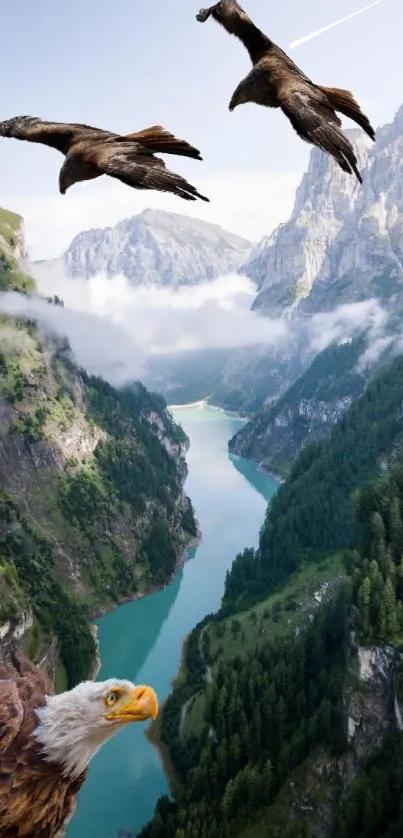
(250, 205)
(99, 346)
(345, 321)
(113, 327)
(376, 349)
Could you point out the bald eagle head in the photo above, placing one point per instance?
(74, 725)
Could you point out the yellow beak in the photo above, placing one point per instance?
(141, 704)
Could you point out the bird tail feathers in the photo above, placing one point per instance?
(159, 141)
(344, 102)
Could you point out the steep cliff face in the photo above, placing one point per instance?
(155, 248)
(92, 506)
(343, 242)
(307, 411)
(309, 802)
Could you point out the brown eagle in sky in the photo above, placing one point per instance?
(91, 152)
(276, 82)
(48, 740)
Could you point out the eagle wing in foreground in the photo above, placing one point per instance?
(58, 135)
(315, 121)
(136, 167)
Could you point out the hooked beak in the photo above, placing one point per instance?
(142, 704)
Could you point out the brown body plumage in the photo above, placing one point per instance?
(276, 82)
(91, 152)
(48, 740)
(35, 801)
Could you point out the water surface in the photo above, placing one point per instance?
(142, 640)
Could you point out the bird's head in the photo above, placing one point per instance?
(221, 11)
(75, 724)
(67, 175)
(12, 127)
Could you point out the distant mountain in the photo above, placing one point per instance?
(343, 242)
(155, 248)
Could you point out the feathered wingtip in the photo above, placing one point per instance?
(160, 141)
(344, 102)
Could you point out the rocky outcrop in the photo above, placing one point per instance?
(371, 702)
(155, 248)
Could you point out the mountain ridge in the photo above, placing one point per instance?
(155, 247)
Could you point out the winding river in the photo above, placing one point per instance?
(142, 640)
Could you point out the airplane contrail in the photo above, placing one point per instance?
(312, 35)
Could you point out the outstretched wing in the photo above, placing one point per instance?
(58, 135)
(135, 166)
(314, 120)
(11, 715)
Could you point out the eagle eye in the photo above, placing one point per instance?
(111, 698)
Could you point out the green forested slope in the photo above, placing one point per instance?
(262, 744)
(312, 513)
(92, 508)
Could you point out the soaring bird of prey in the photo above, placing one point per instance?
(276, 82)
(91, 152)
(48, 740)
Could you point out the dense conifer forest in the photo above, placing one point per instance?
(276, 703)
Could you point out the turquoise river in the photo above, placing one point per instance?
(142, 640)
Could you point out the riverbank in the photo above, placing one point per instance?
(97, 661)
(193, 542)
(154, 735)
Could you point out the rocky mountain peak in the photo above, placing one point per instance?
(341, 237)
(156, 248)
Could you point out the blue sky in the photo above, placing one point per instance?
(129, 64)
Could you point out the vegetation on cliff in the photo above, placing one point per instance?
(92, 508)
(11, 249)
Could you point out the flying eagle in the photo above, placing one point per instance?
(276, 82)
(91, 152)
(48, 740)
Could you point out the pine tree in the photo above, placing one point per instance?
(364, 600)
(396, 529)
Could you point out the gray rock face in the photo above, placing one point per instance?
(155, 248)
(343, 242)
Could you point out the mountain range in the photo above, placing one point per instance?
(154, 248)
(343, 244)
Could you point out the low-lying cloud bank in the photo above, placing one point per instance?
(113, 327)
